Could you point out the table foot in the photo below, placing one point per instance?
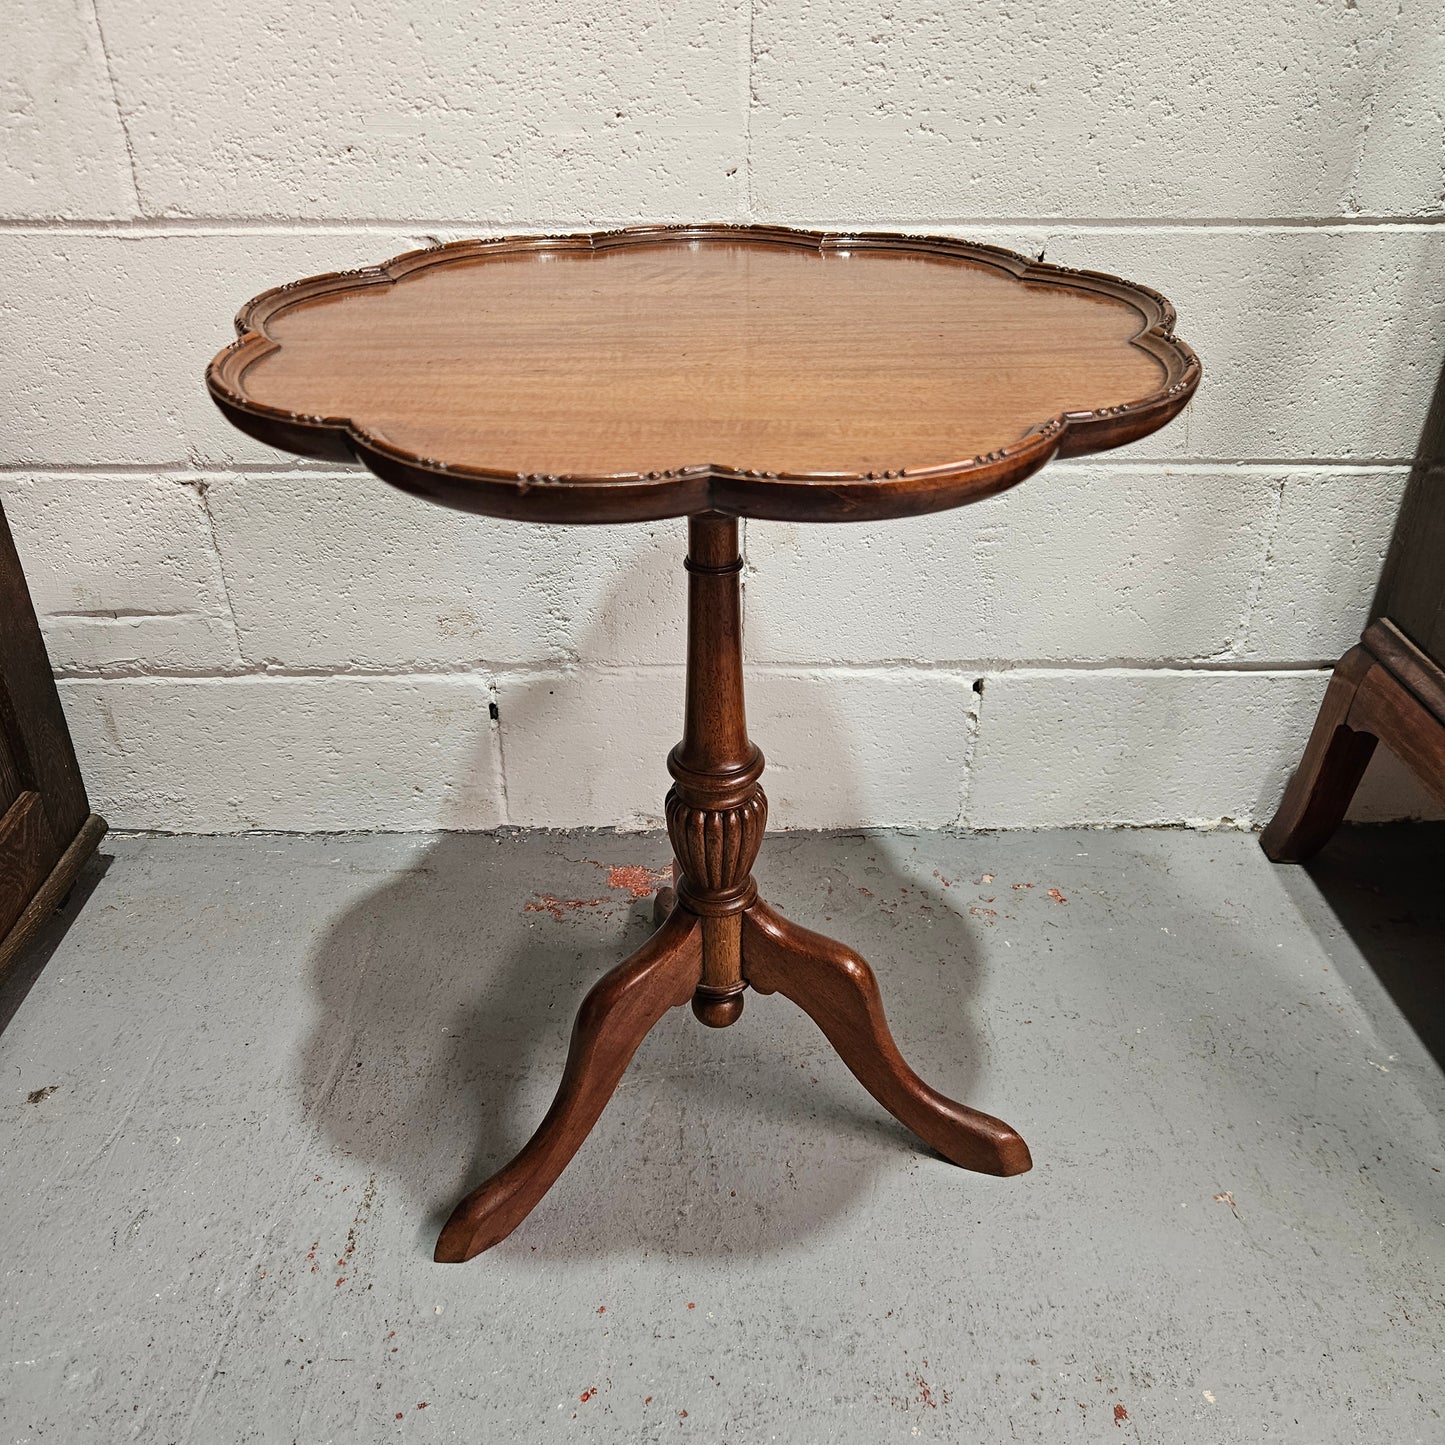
(614, 1019)
(838, 991)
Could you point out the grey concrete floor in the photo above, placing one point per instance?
(254, 1073)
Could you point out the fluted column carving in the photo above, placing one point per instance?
(716, 810)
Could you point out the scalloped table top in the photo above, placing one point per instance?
(664, 371)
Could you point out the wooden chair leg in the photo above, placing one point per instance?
(1334, 761)
(838, 991)
(614, 1019)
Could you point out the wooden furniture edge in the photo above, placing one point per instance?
(1415, 668)
(48, 897)
(1384, 689)
(706, 486)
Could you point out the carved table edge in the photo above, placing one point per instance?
(708, 486)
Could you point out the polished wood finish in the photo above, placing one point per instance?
(47, 830)
(614, 1019)
(716, 811)
(666, 371)
(1387, 690)
(838, 991)
(715, 372)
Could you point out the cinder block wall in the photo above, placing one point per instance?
(246, 642)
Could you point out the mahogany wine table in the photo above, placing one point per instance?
(712, 372)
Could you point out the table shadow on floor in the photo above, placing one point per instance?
(445, 1006)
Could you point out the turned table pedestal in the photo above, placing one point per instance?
(712, 372)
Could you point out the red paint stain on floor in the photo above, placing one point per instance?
(1120, 1415)
(640, 882)
(587, 1394)
(548, 903)
(1056, 895)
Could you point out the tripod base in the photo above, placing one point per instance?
(827, 980)
(716, 939)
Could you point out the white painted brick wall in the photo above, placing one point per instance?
(250, 642)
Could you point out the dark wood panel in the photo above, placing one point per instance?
(33, 724)
(52, 892)
(47, 830)
(1387, 708)
(1411, 664)
(10, 784)
(27, 854)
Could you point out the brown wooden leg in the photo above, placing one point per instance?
(614, 1019)
(838, 991)
(1334, 761)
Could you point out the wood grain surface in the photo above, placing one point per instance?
(663, 371)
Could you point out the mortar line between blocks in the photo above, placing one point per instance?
(204, 491)
(490, 673)
(120, 118)
(749, 97)
(1378, 72)
(479, 226)
(970, 751)
(1256, 583)
(503, 799)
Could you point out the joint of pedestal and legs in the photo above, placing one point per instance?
(715, 823)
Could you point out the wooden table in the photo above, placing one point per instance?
(712, 372)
